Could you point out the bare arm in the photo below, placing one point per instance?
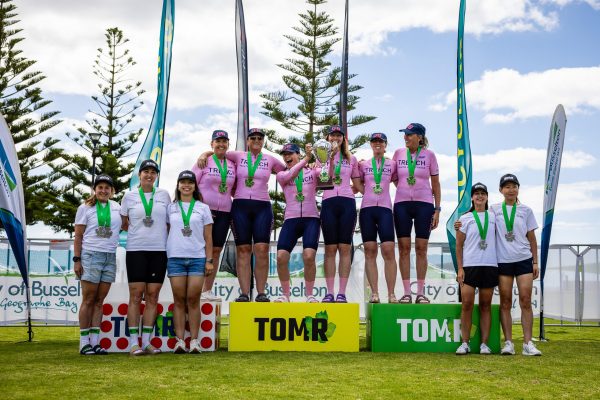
(124, 223)
(208, 248)
(460, 241)
(437, 197)
(534, 252)
(77, 267)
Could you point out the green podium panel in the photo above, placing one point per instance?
(431, 328)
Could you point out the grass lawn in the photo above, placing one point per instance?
(51, 368)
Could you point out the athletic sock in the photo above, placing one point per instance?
(343, 284)
(406, 284)
(94, 335)
(133, 337)
(420, 286)
(285, 285)
(84, 337)
(308, 287)
(330, 282)
(146, 332)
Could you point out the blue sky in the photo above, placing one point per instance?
(522, 58)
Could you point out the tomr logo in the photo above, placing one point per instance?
(425, 330)
(281, 329)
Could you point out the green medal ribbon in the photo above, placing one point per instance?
(223, 172)
(377, 174)
(482, 229)
(252, 168)
(103, 214)
(411, 166)
(147, 204)
(337, 171)
(299, 181)
(509, 222)
(187, 216)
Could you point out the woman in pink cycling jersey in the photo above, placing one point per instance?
(417, 201)
(301, 219)
(251, 212)
(376, 216)
(216, 181)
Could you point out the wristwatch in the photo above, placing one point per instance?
(76, 259)
(437, 208)
(209, 260)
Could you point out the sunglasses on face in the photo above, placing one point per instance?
(255, 138)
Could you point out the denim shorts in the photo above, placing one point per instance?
(98, 266)
(185, 267)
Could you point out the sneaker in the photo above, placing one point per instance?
(209, 296)
(151, 350)
(195, 347)
(341, 298)
(87, 350)
(100, 351)
(281, 299)
(180, 347)
(463, 349)
(529, 349)
(262, 298)
(311, 299)
(484, 349)
(136, 350)
(508, 349)
(243, 298)
(328, 298)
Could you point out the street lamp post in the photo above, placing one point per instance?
(95, 138)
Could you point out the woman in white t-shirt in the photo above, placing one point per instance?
(144, 216)
(477, 266)
(190, 240)
(97, 225)
(517, 260)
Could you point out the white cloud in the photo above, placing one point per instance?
(204, 65)
(595, 4)
(506, 95)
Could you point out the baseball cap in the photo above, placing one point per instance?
(187, 174)
(103, 178)
(256, 132)
(335, 129)
(149, 164)
(219, 134)
(507, 178)
(290, 148)
(378, 136)
(479, 186)
(414, 128)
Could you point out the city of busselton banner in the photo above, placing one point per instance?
(293, 327)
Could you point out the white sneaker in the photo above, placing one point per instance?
(529, 349)
(484, 349)
(463, 349)
(311, 299)
(209, 296)
(282, 299)
(195, 347)
(508, 349)
(180, 347)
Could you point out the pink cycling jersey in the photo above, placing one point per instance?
(348, 171)
(293, 207)
(426, 167)
(260, 189)
(388, 175)
(209, 179)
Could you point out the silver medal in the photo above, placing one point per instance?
(186, 231)
(482, 244)
(510, 236)
(148, 221)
